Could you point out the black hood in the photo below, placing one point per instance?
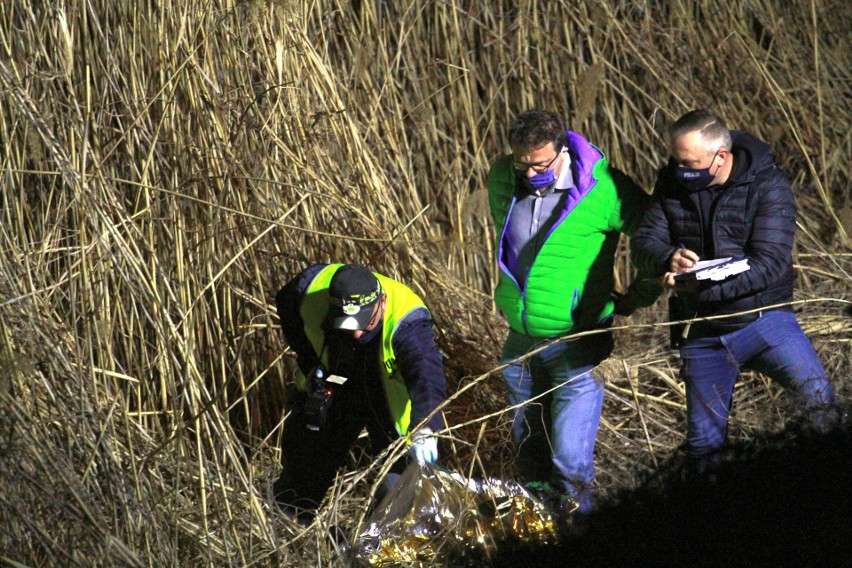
(751, 156)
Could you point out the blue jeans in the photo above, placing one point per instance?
(774, 345)
(555, 435)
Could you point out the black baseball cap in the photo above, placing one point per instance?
(352, 294)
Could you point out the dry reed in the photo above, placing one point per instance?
(167, 166)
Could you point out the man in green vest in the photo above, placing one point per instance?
(367, 358)
(558, 209)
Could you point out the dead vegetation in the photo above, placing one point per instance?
(167, 166)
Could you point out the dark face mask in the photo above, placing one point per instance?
(693, 179)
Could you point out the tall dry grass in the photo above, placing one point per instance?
(167, 166)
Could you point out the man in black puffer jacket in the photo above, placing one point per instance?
(722, 195)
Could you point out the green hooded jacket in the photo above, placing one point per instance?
(568, 287)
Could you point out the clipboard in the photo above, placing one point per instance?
(714, 270)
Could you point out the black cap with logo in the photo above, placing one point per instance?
(352, 294)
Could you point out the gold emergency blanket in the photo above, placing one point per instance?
(433, 515)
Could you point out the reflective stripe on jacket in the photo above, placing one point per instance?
(401, 301)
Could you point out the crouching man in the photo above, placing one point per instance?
(367, 358)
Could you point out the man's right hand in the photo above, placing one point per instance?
(682, 260)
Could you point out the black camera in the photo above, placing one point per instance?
(320, 396)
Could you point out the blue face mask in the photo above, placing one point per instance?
(694, 179)
(539, 182)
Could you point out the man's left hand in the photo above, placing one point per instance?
(625, 304)
(669, 282)
(424, 446)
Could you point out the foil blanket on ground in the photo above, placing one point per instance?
(435, 515)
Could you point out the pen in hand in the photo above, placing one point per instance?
(683, 259)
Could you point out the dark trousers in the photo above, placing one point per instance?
(310, 459)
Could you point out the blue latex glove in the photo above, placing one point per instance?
(424, 446)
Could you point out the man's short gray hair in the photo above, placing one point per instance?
(714, 131)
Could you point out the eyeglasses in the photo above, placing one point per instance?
(539, 168)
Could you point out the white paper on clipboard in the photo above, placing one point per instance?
(714, 270)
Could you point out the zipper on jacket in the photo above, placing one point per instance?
(503, 268)
(574, 298)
